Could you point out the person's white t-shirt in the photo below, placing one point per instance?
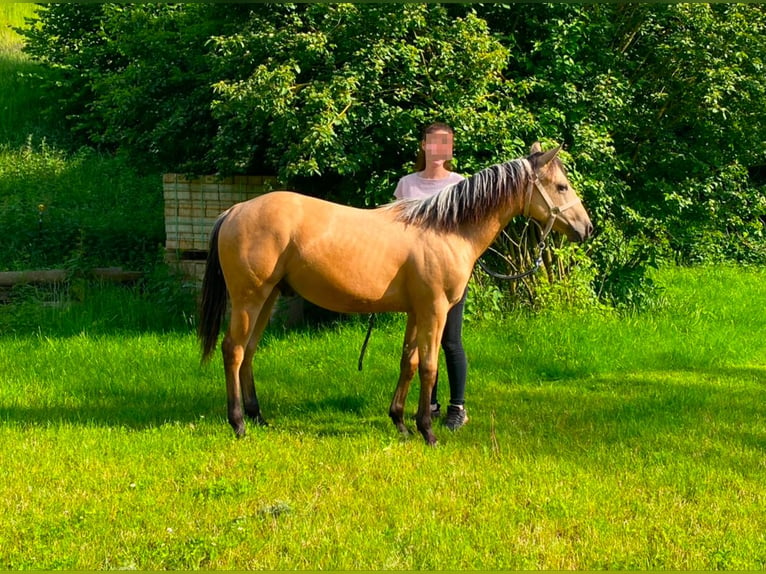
(415, 186)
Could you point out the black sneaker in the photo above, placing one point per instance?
(456, 417)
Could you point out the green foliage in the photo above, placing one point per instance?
(132, 77)
(20, 103)
(343, 91)
(570, 286)
(485, 301)
(696, 105)
(661, 105)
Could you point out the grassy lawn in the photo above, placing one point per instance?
(594, 442)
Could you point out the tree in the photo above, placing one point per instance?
(344, 90)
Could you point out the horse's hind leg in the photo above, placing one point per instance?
(246, 379)
(407, 368)
(244, 315)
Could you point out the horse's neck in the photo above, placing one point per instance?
(481, 235)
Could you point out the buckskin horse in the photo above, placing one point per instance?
(410, 256)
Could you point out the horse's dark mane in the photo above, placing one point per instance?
(468, 201)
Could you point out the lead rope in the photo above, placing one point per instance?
(366, 339)
(540, 245)
(535, 267)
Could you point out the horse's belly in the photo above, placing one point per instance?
(348, 289)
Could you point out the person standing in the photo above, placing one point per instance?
(433, 172)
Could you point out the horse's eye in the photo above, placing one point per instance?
(562, 188)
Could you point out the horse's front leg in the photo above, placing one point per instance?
(429, 337)
(407, 368)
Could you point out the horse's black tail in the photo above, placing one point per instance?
(214, 296)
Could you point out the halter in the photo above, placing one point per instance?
(554, 211)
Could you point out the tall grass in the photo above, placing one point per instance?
(19, 98)
(82, 209)
(595, 441)
(62, 208)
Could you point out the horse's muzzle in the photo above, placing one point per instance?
(580, 232)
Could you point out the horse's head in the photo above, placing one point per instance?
(550, 199)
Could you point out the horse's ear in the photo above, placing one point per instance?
(548, 156)
(536, 148)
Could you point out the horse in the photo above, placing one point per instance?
(410, 256)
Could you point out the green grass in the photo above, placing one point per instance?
(595, 441)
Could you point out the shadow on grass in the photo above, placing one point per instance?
(338, 414)
(335, 416)
(135, 411)
(702, 410)
(715, 414)
(103, 403)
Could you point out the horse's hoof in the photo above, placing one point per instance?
(259, 420)
(430, 438)
(239, 429)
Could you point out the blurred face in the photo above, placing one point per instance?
(438, 146)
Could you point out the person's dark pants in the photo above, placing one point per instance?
(454, 355)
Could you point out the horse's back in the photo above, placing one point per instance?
(280, 208)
